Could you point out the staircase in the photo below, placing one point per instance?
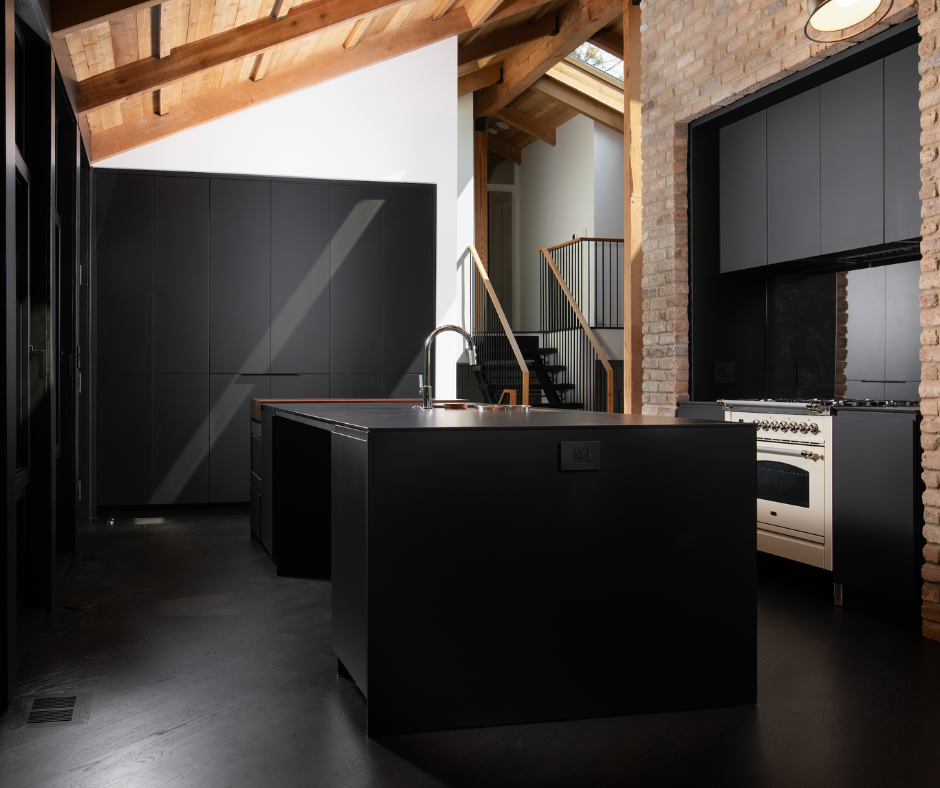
(497, 371)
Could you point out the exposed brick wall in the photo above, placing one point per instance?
(699, 55)
(930, 313)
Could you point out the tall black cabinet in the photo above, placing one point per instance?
(213, 290)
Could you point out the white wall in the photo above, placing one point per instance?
(556, 201)
(608, 183)
(396, 121)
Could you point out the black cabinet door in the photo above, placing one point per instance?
(902, 325)
(124, 439)
(300, 277)
(865, 335)
(124, 219)
(181, 438)
(400, 385)
(902, 144)
(300, 386)
(240, 277)
(356, 279)
(181, 275)
(230, 434)
(793, 188)
(408, 257)
(852, 152)
(356, 386)
(743, 193)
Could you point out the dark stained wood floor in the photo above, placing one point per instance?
(208, 670)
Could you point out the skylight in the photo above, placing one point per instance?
(601, 60)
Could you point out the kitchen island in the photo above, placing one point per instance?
(512, 567)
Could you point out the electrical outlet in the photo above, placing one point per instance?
(579, 455)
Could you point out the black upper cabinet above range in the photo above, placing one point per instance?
(852, 155)
(743, 193)
(793, 188)
(902, 145)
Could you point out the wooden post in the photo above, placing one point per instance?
(481, 207)
(632, 215)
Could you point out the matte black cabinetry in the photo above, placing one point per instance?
(793, 187)
(356, 279)
(213, 290)
(877, 515)
(902, 145)
(852, 147)
(743, 193)
(240, 276)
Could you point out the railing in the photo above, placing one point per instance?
(581, 289)
(504, 371)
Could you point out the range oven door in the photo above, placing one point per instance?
(791, 488)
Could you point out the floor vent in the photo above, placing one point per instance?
(53, 710)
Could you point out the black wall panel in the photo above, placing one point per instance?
(300, 277)
(300, 386)
(124, 439)
(356, 279)
(793, 187)
(181, 275)
(253, 288)
(852, 146)
(743, 193)
(124, 220)
(408, 242)
(356, 385)
(181, 438)
(229, 435)
(902, 145)
(240, 276)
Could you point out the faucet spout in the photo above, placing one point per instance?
(424, 383)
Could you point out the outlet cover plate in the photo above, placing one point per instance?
(579, 455)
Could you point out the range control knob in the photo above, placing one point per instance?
(804, 428)
(764, 425)
(774, 426)
(814, 428)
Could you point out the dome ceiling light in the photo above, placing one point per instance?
(839, 20)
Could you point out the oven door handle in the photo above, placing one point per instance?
(806, 454)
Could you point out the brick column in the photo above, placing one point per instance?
(930, 312)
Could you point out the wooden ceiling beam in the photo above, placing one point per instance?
(506, 39)
(149, 74)
(480, 10)
(578, 21)
(510, 8)
(528, 124)
(442, 8)
(281, 7)
(165, 32)
(280, 82)
(580, 102)
(479, 80)
(584, 81)
(609, 40)
(504, 149)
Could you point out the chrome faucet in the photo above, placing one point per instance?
(424, 384)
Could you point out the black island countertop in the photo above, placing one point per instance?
(476, 556)
(375, 417)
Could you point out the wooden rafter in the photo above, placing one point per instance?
(608, 40)
(595, 87)
(281, 7)
(480, 10)
(505, 39)
(510, 8)
(504, 149)
(578, 21)
(206, 53)
(280, 82)
(528, 124)
(586, 105)
(442, 8)
(479, 80)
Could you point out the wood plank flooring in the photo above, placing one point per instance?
(209, 670)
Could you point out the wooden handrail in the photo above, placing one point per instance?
(546, 253)
(578, 240)
(505, 323)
